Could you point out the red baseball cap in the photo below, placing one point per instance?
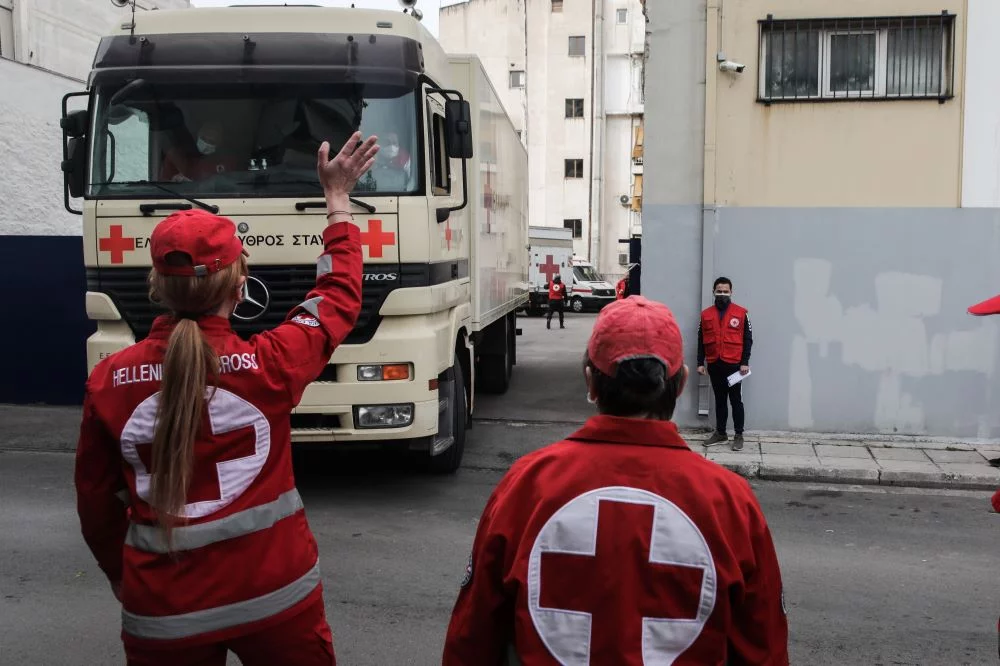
(635, 327)
(209, 240)
(990, 306)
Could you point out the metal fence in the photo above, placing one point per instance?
(882, 58)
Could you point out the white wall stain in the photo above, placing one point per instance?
(889, 338)
(800, 416)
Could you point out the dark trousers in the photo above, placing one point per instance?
(555, 305)
(718, 372)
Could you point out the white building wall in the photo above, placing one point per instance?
(981, 149)
(495, 30)
(61, 35)
(48, 52)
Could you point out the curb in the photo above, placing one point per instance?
(863, 476)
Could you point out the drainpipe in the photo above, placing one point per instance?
(596, 133)
(710, 193)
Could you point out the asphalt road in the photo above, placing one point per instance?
(872, 575)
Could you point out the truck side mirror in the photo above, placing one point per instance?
(74, 124)
(74, 167)
(458, 129)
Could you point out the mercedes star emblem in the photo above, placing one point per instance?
(256, 298)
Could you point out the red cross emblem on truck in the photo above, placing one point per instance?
(116, 244)
(376, 239)
(550, 268)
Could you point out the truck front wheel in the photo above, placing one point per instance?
(577, 304)
(454, 411)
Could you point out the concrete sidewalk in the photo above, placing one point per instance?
(867, 460)
(893, 462)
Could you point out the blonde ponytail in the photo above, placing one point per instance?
(188, 360)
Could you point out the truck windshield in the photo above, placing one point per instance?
(587, 274)
(246, 139)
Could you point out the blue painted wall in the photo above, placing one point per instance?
(43, 321)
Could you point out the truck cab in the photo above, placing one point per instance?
(224, 109)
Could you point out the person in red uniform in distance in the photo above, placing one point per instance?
(621, 288)
(724, 341)
(557, 301)
(620, 545)
(185, 489)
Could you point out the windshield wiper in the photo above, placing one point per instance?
(148, 209)
(302, 205)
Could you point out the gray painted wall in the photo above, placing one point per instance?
(859, 317)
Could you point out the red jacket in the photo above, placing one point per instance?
(723, 335)
(620, 546)
(247, 535)
(557, 291)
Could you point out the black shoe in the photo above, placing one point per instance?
(716, 438)
(738, 442)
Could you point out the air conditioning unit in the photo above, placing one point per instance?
(623, 258)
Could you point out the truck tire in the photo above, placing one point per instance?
(450, 460)
(494, 370)
(577, 305)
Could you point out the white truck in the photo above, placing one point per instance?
(590, 291)
(550, 251)
(224, 109)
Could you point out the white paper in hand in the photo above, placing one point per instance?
(737, 377)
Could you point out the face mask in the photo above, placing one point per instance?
(204, 147)
(722, 301)
(392, 151)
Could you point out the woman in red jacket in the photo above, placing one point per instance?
(184, 478)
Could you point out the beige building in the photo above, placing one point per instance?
(585, 170)
(839, 160)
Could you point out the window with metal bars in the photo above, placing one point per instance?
(900, 57)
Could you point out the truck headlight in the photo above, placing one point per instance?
(383, 373)
(383, 416)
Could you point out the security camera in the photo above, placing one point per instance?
(730, 66)
(407, 4)
(624, 200)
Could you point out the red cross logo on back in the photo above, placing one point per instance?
(620, 575)
(550, 268)
(116, 244)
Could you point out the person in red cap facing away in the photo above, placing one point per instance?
(557, 301)
(620, 545)
(184, 480)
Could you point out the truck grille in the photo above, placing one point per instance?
(604, 292)
(288, 286)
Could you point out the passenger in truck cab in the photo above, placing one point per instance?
(203, 159)
(185, 488)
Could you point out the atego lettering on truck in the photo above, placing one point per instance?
(443, 227)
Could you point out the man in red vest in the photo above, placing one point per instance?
(557, 299)
(621, 288)
(724, 341)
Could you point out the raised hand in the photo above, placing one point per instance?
(339, 175)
